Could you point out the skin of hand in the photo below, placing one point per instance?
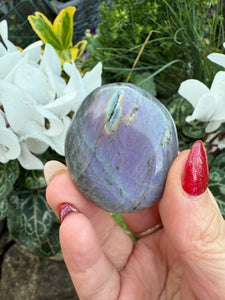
(183, 260)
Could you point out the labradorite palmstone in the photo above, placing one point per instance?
(120, 146)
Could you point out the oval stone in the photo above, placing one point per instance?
(120, 146)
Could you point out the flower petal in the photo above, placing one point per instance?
(219, 113)
(36, 146)
(8, 62)
(19, 109)
(37, 133)
(92, 79)
(75, 83)
(212, 126)
(59, 140)
(192, 90)
(2, 119)
(63, 105)
(32, 80)
(33, 51)
(28, 160)
(3, 50)
(51, 65)
(4, 30)
(204, 109)
(55, 126)
(217, 58)
(4, 35)
(218, 85)
(11, 75)
(9, 145)
(51, 58)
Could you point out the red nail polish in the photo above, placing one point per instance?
(196, 173)
(64, 210)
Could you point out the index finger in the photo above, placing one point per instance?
(115, 242)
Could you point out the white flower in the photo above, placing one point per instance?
(209, 104)
(4, 35)
(217, 58)
(35, 100)
(83, 86)
(9, 147)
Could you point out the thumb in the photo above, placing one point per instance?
(192, 219)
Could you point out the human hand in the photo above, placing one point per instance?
(185, 259)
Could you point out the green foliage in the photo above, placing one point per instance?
(8, 175)
(121, 223)
(179, 109)
(4, 208)
(181, 31)
(195, 130)
(145, 81)
(217, 185)
(33, 179)
(22, 202)
(31, 221)
(59, 34)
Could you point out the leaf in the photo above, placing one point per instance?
(211, 159)
(33, 179)
(68, 55)
(3, 208)
(217, 187)
(145, 81)
(50, 245)
(180, 109)
(195, 129)
(120, 222)
(222, 207)
(8, 175)
(219, 161)
(63, 26)
(44, 29)
(51, 155)
(81, 45)
(184, 142)
(72, 54)
(59, 34)
(31, 221)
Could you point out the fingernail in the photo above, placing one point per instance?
(65, 209)
(196, 174)
(53, 168)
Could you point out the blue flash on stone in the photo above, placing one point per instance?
(114, 112)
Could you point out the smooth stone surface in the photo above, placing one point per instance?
(120, 146)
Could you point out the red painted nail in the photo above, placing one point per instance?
(196, 173)
(64, 210)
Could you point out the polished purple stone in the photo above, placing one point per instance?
(120, 146)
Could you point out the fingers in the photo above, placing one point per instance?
(116, 244)
(183, 213)
(193, 222)
(93, 275)
(143, 220)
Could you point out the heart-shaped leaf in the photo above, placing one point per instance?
(8, 175)
(32, 222)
